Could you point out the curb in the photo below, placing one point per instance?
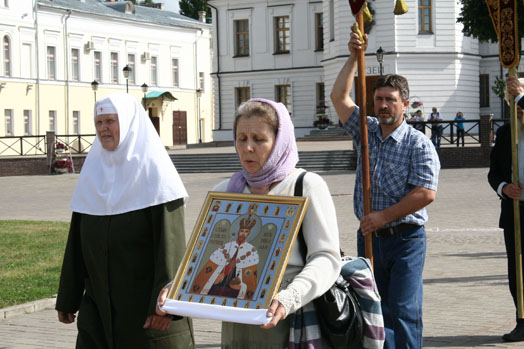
(27, 308)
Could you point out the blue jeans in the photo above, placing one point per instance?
(398, 266)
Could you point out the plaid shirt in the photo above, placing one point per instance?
(404, 160)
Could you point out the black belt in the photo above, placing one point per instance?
(385, 232)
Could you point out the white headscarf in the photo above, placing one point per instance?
(136, 175)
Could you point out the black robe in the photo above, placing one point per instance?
(113, 270)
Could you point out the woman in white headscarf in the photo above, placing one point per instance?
(126, 236)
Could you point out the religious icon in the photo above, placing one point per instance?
(232, 268)
(237, 253)
(216, 206)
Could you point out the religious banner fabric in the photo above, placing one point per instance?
(493, 7)
(357, 6)
(508, 33)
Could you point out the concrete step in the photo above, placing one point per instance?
(217, 163)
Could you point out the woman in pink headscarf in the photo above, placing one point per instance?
(265, 143)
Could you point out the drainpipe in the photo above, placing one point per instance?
(35, 14)
(66, 66)
(218, 69)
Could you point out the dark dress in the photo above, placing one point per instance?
(121, 262)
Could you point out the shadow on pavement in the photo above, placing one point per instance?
(484, 255)
(464, 279)
(461, 341)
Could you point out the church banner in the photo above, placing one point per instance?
(508, 33)
(493, 7)
(357, 6)
(236, 257)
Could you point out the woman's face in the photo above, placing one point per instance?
(254, 141)
(108, 130)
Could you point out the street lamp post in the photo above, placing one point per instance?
(144, 89)
(380, 58)
(94, 87)
(127, 69)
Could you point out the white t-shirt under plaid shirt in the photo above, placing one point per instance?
(397, 164)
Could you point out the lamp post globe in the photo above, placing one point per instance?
(380, 58)
(94, 87)
(144, 90)
(127, 69)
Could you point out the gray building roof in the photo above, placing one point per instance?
(118, 10)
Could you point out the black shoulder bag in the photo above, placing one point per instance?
(338, 310)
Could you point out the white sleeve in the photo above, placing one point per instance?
(321, 235)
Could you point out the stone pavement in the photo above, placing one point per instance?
(466, 301)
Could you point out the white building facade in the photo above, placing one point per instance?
(52, 52)
(292, 51)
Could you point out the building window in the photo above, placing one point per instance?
(26, 64)
(241, 37)
(51, 63)
(319, 32)
(321, 95)
(132, 73)
(28, 122)
(175, 69)
(75, 68)
(76, 122)
(331, 20)
(52, 120)
(282, 38)
(114, 67)
(97, 60)
(424, 17)
(154, 72)
(243, 94)
(484, 90)
(8, 113)
(201, 82)
(283, 95)
(7, 56)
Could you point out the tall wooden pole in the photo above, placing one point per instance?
(516, 203)
(364, 149)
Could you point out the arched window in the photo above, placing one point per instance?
(7, 56)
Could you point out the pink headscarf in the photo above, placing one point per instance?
(281, 161)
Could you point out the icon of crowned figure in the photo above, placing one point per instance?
(232, 269)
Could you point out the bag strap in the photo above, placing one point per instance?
(299, 184)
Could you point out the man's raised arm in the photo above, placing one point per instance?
(340, 98)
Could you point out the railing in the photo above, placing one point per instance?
(78, 144)
(37, 145)
(23, 145)
(448, 130)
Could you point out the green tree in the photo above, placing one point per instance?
(190, 8)
(477, 22)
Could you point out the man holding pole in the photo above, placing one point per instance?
(404, 169)
(500, 179)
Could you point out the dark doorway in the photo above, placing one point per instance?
(179, 128)
(370, 83)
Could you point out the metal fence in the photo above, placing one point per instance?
(23, 145)
(37, 145)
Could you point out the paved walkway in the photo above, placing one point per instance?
(466, 302)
